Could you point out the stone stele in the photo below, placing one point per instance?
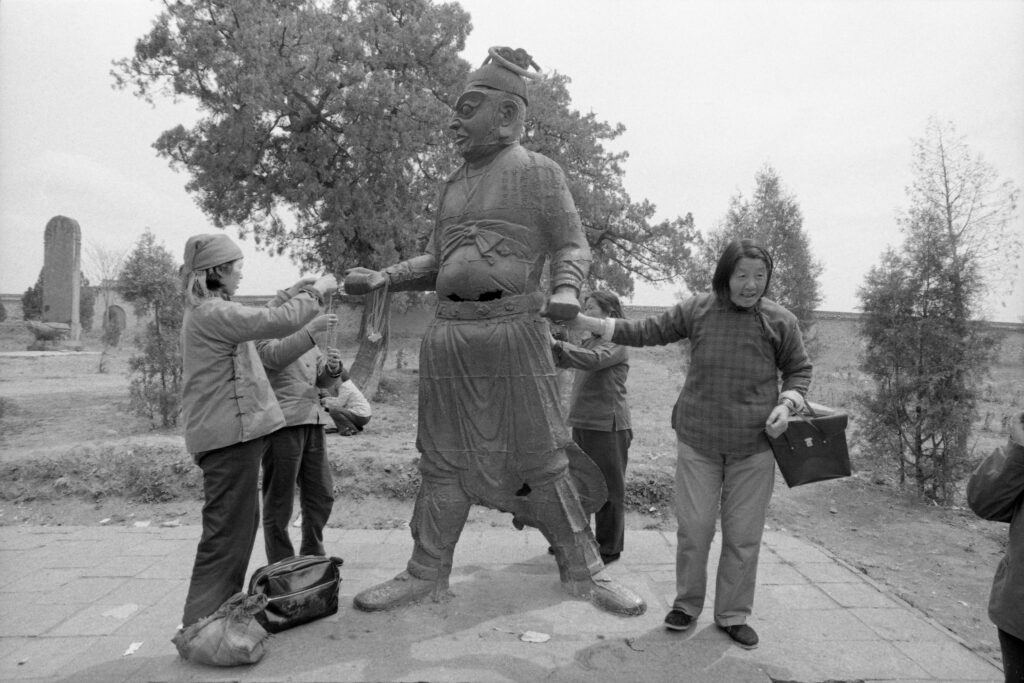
(62, 269)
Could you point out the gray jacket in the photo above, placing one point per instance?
(226, 398)
(296, 370)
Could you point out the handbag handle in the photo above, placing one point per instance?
(803, 414)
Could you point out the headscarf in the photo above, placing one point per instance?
(203, 252)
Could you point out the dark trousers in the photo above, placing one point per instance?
(231, 517)
(610, 452)
(1013, 657)
(347, 422)
(296, 457)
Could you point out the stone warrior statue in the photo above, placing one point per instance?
(491, 430)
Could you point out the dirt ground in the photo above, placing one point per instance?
(940, 560)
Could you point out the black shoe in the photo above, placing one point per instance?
(742, 635)
(608, 559)
(678, 620)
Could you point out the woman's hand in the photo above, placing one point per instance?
(334, 365)
(321, 323)
(585, 323)
(778, 420)
(326, 285)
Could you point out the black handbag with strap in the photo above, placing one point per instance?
(813, 447)
(298, 589)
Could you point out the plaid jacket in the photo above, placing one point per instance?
(733, 381)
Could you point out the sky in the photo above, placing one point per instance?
(829, 93)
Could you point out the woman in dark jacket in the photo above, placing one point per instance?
(599, 416)
(996, 492)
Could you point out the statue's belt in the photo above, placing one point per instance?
(496, 308)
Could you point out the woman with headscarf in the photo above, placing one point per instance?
(228, 407)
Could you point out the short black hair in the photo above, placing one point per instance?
(607, 302)
(734, 251)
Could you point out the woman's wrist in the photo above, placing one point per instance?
(314, 292)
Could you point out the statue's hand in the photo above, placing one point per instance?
(361, 280)
(562, 305)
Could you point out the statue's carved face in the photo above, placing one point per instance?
(475, 124)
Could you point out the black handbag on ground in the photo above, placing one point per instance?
(299, 589)
(813, 447)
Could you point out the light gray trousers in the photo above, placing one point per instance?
(741, 486)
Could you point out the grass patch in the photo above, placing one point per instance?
(649, 487)
(143, 474)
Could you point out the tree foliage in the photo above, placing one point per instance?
(925, 349)
(320, 130)
(772, 218)
(150, 283)
(625, 241)
(32, 300)
(86, 303)
(323, 131)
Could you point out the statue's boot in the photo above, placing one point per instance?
(608, 594)
(404, 589)
(556, 510)
(438, 516)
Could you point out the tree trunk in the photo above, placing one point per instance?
(375, 332)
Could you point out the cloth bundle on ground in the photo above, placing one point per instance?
(813, 447)
(228, 637)
(297, 590)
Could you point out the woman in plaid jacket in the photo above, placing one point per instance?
(731, 400)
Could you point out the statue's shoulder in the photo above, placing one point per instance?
(526, 158)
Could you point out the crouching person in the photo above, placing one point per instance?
(298, 371)
(347, 407)
(228, 411)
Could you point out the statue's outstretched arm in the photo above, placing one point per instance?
(416, 274)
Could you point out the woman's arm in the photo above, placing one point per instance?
(657, 330)
(277, 354)
(232, 322)
(604, 355)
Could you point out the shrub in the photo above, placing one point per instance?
(150, 282)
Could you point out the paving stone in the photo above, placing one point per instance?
(898, 624)
(32, 619)
(97, 619)
(42, 657)
(80, 590)
(792, 597)
(857, 594)
(949, 661)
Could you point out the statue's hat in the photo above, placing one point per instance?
(505, 69)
